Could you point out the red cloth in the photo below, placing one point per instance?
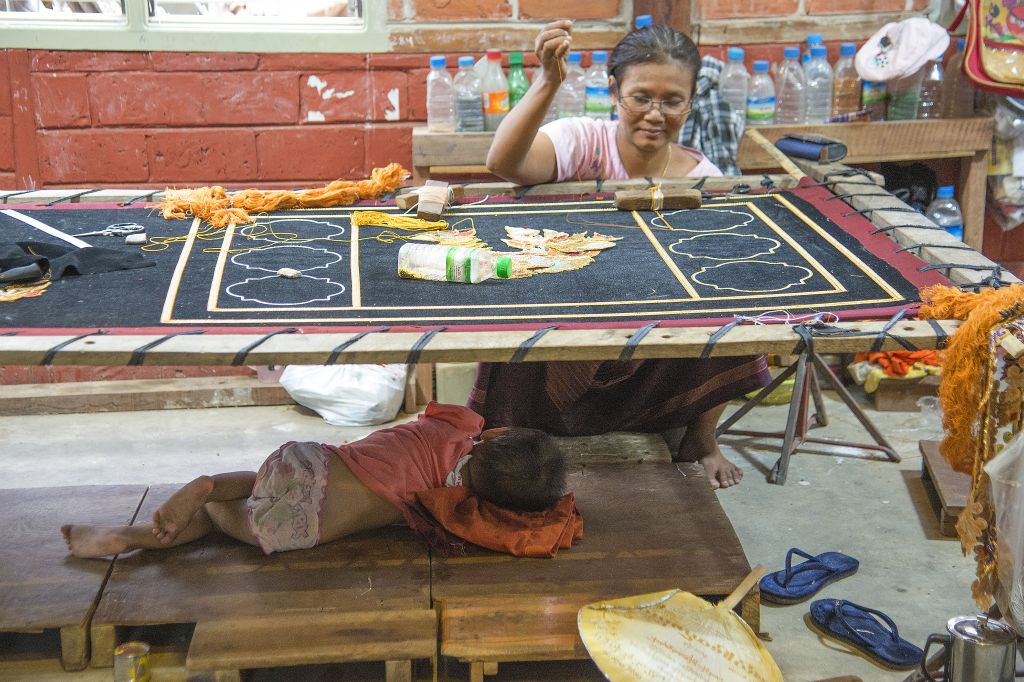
(897, 363)
(397, 462)
(530, 534)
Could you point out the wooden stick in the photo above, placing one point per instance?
(656, 199)
(771, 150)
(741, 590)
(411, 198)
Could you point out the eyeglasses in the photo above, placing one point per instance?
(667, 107)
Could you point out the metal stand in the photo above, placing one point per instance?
(798, 423)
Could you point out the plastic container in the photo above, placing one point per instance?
(451, 263)
(734, 81)
(572, 94)
(958, 99)
(440, 97)
(933, 85)
(599, 99)
(813, 40)
(761, 96)
(903, 96)
(469, 111)
(518, 84)
(790, 89)
(494, 91)
(846, 82)
(872, 98)
(945, 212)
(643, 21)
(819, 86)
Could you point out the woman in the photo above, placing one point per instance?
(652, 76)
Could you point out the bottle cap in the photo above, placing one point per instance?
(736, 54)
(466, 61)
(847, 49)
(503, 267)
(644, 20)
(960, 44)
(515, 58)
(791, 53)
(438, 61)
(761, 66)
(815, 39)
(945, 192)
(494, 55)
(599, 56)
(819, 51)
(575, 57)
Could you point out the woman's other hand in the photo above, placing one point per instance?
(552, 47)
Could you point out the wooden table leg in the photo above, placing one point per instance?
(398, 671)
(104, 639)
(74, 653)
(973, 174)
(750, 609)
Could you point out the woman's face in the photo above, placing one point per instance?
(668, 82)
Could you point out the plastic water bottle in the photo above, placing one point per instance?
(572, 94)
(599, 99)
(958, 100)
(791, 89)
(761, 96)
(440, 97)
(552, 113)
(846, 86)
(517, 81)
(932, 87)
(872, 98)
(813, 40)
(494, 91)
(643, 21)
(451, 263)
(903, 96)
(945, 212)
(469, 111)
(819, 86)
(734, 82)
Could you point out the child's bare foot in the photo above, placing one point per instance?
(175, 514)
(93, 542)
(721, 472)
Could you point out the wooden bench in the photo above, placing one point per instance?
(947, 488)
(222, 648)
(42, 587)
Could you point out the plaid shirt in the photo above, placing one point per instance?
(713, 127)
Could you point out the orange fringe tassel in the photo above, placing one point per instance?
(965, 361)
(213, 204)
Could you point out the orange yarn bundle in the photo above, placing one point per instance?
(965, 360)
(213, 204)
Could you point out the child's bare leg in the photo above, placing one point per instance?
(176, 513)
(89, 542)
(699, 444)
(231, 517)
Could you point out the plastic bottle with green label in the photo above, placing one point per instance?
(451, 263)
(518, 83)
(761, 96)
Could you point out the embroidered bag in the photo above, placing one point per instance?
(994, 50)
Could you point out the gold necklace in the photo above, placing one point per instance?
(667, 161)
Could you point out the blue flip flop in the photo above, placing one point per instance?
(798, 583)
(869, 632)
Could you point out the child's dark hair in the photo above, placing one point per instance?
(522, 470)
(655, 44)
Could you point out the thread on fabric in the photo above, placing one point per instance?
(216, 207)
(657, 198)
(967, 356)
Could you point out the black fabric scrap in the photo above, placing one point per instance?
(63, 260)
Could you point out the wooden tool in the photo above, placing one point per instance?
(412, 198)
(655, 199)
(433, 199)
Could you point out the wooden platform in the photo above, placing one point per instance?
(947, 488)
(219, 579)
(647, 527)
(41, 586)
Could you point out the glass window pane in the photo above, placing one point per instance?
(62, 9)
(228, 10)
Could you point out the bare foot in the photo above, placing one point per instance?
(721, 472)
(93, 542)
(175, 514)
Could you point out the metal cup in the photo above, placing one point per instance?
(976, 650)
(131, 662)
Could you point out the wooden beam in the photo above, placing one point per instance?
(674, 14)
(790, 29)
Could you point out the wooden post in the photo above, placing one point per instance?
(973, 173)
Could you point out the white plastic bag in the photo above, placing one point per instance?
(1006, 473)
(348, 395)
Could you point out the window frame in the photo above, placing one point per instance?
(134, 32)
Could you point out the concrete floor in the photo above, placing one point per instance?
(835, 499)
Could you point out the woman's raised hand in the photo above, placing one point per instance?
(552, 47)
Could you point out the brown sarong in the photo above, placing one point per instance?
(590, 398)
